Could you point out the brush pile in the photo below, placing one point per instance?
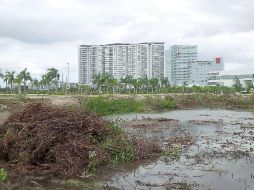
(53, 138)
(43, 138)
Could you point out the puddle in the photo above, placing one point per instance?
(221, 157)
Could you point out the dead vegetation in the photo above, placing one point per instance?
(152, 123)
(204, 122)
(178, 186)
(145, 149)
(185, 139)
(64, 142)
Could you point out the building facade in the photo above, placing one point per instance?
(199, 70)
(185, 68)
(119, 60)
(227, 78)
(180, 58)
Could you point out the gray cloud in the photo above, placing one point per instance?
(46, 33)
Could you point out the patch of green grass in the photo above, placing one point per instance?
(173, 154)
(3, 175)
(159, 103)
(93, 163)
(115, 147)
(119, 148)
(111, 106)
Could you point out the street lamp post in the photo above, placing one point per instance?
(67, 78)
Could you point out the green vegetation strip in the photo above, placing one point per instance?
(110, 105)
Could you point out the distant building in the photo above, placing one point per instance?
(226, 78)
(185, 69)
(119, 60)
(199, 70)
(180, 58)
(167, 67)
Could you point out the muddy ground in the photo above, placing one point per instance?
(213, 150)
(204, 149)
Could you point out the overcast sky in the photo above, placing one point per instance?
(39, 34)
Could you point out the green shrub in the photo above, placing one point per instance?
(110, 105)
(3, 174)
(159, 103)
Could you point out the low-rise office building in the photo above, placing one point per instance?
(199, 70)
(227, 78)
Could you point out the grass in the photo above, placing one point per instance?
(173, 154)
(3, 175)
(116, 146)
(109, 105)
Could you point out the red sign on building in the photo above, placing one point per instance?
(217, 60)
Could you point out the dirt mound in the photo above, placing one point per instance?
(53, 138)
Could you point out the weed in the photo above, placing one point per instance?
(173, 154)
(3, 175)
(109, 105)
(93, 162)
(119, 148)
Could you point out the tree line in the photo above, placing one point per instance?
(129, 84)
(19, 80)
(104, 83)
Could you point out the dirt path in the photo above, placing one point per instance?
(4, 116)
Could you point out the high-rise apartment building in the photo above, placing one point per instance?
(185, 68)
(119, 60)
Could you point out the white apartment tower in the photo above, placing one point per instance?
(119, 60)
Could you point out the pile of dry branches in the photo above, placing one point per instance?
(52, 138)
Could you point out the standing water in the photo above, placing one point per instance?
(220, 157)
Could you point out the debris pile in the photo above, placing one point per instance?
(64, 142)
(49, 137)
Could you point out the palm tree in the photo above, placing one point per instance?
(11, 78)
(134, 83)
(165, 82)
(97, 81)
(128, 80)
(45, 81)
(146, 83)
(18, 80)
(123, 84)
(25, 77)
(114, 84)
(53, 75)
(36, 83)
(106, 80)
(1, 74)
(6, 80)
(154, 82)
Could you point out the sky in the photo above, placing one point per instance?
(40, 34)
